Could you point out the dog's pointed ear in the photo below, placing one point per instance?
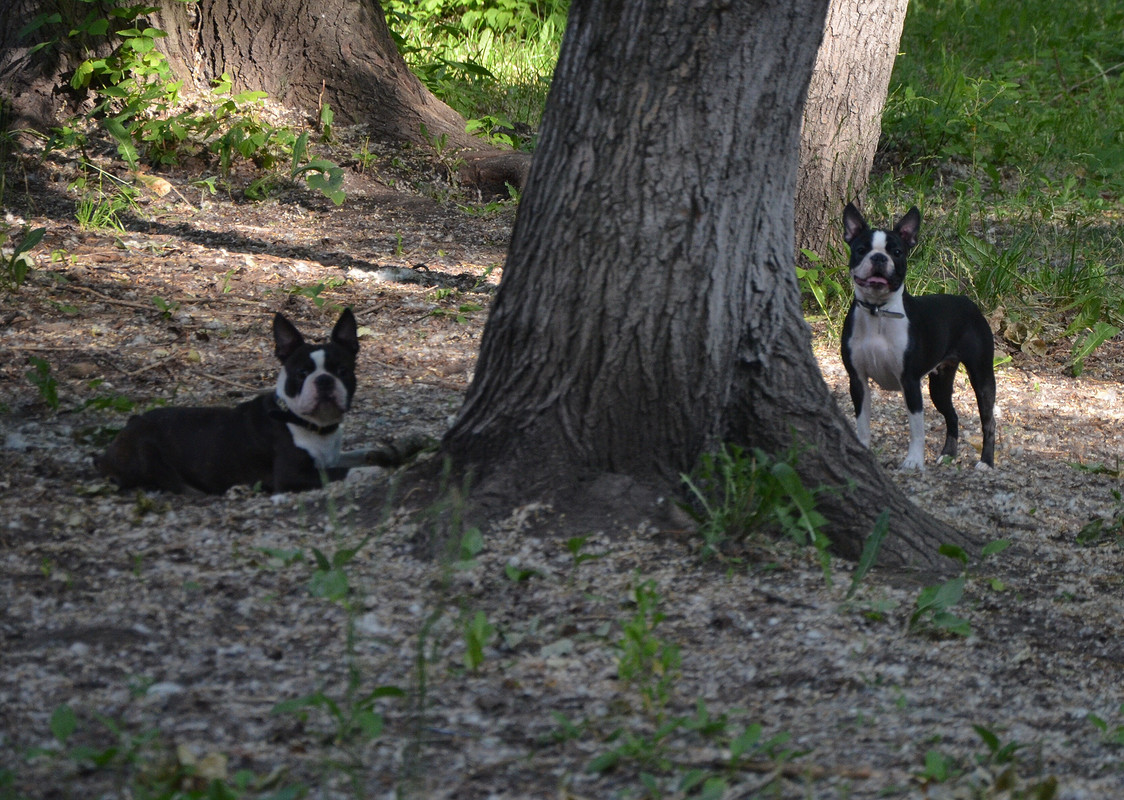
(286, 337)
(853, 223)
(346, 332)
(908, 226)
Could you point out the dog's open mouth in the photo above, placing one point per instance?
(873, 282)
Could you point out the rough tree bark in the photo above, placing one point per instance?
(304, 52)
(843, 115)
(300, 52)
(648, 309)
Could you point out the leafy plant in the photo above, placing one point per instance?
(1105, 531)
(932, 612)
(871, 547)
(485, 58)
(138, 105)
(166, 307)
(320, 174)
(142, 765)
(316, 290)
(364, 158)
(939, 768)
(41, 377)
(353, 715)
(644, 661)
(1110, 734)
(826, 286)
(99, 210)
(738, 493)
(575, 545)
(478, 634)
(15, 266)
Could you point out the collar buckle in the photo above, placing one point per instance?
(880, 310)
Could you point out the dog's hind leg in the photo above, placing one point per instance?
(941, 381)
(983, 384)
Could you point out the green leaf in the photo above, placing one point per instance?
(604, 762)
(33, 238)
(370, 723)
(519, 574)
(329, 184)
(1100, 333)
(298, 704)
(329, 584)
(124, 139)
(63, 723)
(81, 76)
(954, 552)
(992, 548)
(38, 22)
(989, 738)
(714, 789)
(871, 547)
(382, 691)
(746, 741)
(249, 97)
(953, 624)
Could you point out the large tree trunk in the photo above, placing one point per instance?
(304, 52)
(648, 309)
(300, 52)
(843, 115)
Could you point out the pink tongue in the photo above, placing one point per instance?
(879, 281)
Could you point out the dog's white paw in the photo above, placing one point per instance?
(983, 467)
(913, 463)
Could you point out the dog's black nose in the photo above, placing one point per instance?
(325, 384)
(878, 259)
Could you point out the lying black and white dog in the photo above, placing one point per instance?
(284, 440)
(897, 339)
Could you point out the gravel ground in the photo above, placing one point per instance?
(525, 664)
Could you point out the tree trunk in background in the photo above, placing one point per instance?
(304, 52)
(30, 91)
(300, 52)
(843, 115)
(648, 309)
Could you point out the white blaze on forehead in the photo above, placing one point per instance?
(318, 359)
(878, 241)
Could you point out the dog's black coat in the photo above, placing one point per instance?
(281, 440)
(897, 339)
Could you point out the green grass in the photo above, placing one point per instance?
(1005, 125)
(491, 60)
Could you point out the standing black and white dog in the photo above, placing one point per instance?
(286, 440)
(897, 339)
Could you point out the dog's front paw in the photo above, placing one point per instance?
(984, 466)
(913, 463)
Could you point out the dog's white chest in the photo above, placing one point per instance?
(324, 449)
(878, 345)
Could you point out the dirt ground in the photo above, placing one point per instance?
(174, 626)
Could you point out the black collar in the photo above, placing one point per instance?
(879, 310)
(280, 411)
